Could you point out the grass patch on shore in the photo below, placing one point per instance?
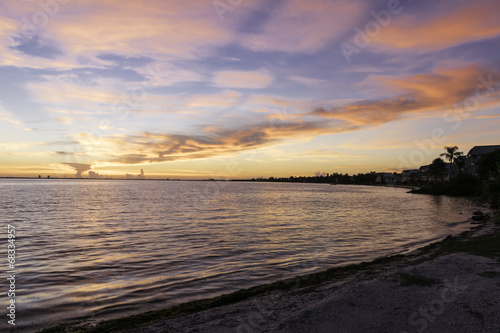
(486, 246)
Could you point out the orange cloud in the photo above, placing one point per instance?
(415, 94)
(167, 29)
(447, 25)
(152, 147)
(83, 29)
(488, 116)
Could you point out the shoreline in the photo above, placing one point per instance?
(273, 306)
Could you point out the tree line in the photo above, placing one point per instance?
(460, 181)
(333, 178)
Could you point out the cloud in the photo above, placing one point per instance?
(68, 98)
(369, 112)
(442, 25)
(304, 26)
(438, 91)
(71, 95)
(225, 99)
(277, 104)
(38, 47)
(192, 74)
(93, 175)
(18, 146)
(7, 117)
(307, 81)
(165, 74)
(68, 89)
(79, 168)
(332, 154)
(488, 116)
(155, 147)
(243, 79)
(86, 30)
(412, 95)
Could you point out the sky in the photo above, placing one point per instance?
(243, 88)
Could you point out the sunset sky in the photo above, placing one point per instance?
(243, 88)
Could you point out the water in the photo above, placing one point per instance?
(101, 249)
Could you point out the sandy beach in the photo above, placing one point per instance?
(449, 286)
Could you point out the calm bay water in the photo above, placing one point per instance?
(96, 249)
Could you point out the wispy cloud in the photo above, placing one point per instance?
(436, 91)
(88, 29)
(442, 26)
(243, 79)
(169, 81)
(488, 116)
(321, 21)
(222, 100)
(307, 80)
(154, 147)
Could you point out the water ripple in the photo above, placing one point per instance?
(102, 249)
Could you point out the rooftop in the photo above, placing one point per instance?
(481, 150)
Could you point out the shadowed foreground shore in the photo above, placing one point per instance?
(452, 285)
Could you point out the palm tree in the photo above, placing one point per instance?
(452, 154)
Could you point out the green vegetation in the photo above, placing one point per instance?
(486, 246)
(461, 185)
(486, 183)
(334, 178)
(452, 154)
(489, 173)
(437, 169)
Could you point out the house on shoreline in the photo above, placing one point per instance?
(387, 178)
(410, 175)
(467, 163)
(475, 155)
